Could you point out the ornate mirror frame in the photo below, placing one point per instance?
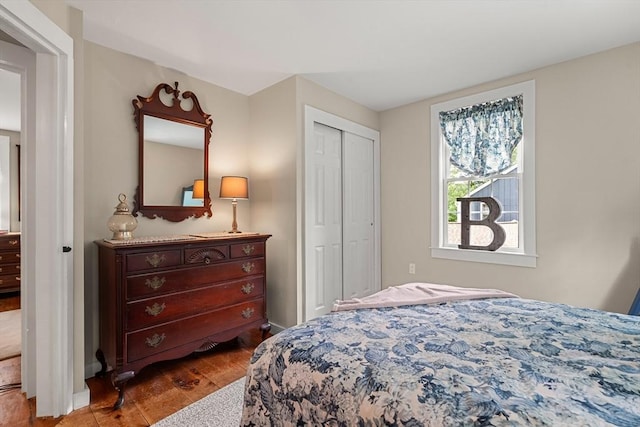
(153, 106)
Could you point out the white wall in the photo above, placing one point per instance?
(13, 178)
(587, 188)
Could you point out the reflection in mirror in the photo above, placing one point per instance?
(173, 147)
(173, 159)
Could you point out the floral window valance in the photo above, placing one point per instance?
(482, 137)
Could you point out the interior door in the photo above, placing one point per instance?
(323, 207)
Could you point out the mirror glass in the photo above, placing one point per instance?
(173, 160)
(173, 147)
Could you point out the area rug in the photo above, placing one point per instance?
(10, 336)
(220, 409)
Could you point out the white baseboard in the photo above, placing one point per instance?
(91, 369)
(81, 398)
(275, 328)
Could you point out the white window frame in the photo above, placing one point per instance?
(526, 255)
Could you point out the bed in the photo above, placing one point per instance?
(476, 362)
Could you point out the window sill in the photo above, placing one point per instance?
(505, 258)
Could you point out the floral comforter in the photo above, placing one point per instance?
(505, 361)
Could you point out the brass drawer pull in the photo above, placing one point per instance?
(155, 340)
(155, 260)
(155, 283)
(247, 288)
(13, 242)
(155, 309)
(248, 266)
(17, 256)
(247, 312)
(248, 249)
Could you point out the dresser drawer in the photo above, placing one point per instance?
(206, 255)
(11, 281)
(13, 269)
(164, 337)
(153, 260)
(10, 242)
(152, 284)
(243, 250)
(148, 312)
(9, 257)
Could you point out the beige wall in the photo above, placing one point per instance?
(273, 187)
(112, 80)
(587, 188)
(58, 12)
(277, 135)
(167, 170)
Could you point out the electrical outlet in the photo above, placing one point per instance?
(412, 268)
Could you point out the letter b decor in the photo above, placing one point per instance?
(495, 211)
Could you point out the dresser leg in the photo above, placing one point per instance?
(119, 381)
(265, 328)
(103, 363)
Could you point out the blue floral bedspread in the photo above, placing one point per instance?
(500, 362)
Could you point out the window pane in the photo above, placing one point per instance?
(505, 190)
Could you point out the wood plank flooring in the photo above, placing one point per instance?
(158, 391)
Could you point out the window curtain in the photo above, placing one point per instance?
(482, 137)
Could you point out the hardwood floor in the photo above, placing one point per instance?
(158, 391)
(10, 301)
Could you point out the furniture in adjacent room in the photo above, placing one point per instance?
(9, 262)
(164, 298)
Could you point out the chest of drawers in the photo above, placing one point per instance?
(165, 300)
(9, 262)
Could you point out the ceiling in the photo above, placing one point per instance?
(379, 53)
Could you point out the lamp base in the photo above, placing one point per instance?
(234, 231)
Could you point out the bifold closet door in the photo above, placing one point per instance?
(323, 214)
(339, 222)
(358, 236)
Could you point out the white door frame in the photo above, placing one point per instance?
(47, 197)
(313, 115)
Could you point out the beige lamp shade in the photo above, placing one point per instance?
(234, 187)
(198, 189)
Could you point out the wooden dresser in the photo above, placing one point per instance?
(9, 262)
(164, 299)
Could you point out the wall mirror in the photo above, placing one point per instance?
(173, 153)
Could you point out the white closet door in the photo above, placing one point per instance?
(323, 207)
(358, 217)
